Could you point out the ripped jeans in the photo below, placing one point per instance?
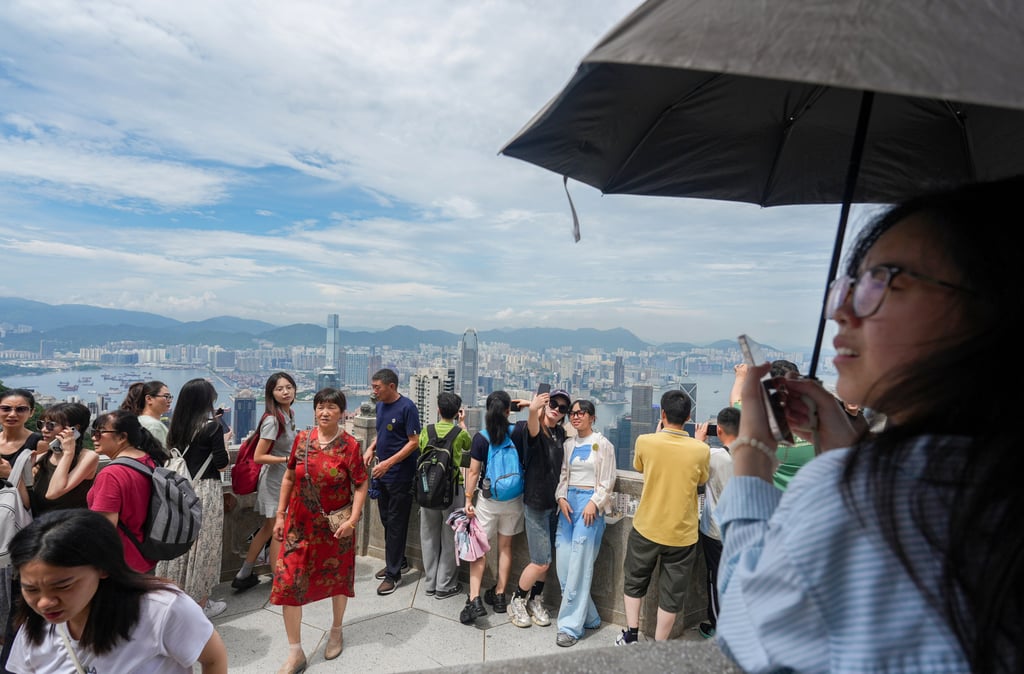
(576, 548)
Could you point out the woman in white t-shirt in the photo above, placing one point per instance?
(86, 611)
(584, 495)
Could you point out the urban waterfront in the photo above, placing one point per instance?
(712, 390)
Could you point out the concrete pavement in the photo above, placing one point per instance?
(402, 632)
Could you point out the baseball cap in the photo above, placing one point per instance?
(561, 393)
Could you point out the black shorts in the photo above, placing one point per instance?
(674, 566)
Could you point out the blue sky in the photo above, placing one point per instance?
(282, 161)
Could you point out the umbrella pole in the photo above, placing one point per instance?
(852, 172)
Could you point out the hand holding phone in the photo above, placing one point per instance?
(55, 445)
(773, 392)
(543, 387)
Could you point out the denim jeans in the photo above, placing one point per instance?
(576, 548)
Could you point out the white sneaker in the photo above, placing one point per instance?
(214, 608)
(538, 613)
(517, 614)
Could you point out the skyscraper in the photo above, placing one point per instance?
(642, 413)
(424, 388)
(245, 414)
(619, 373)
(469, 365)
(328, 376)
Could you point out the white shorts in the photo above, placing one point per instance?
(500, 517)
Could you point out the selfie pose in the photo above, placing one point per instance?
(892, 551)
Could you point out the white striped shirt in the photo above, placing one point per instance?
(806, 586)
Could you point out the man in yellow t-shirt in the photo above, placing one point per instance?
(666, 523)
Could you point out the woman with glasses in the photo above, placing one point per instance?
(85, 610)
(62, 477)
(277, 434)
(584, 495)
(121, 493)
(545, 437)
(197, 434)
(150, 400)
(899, 549)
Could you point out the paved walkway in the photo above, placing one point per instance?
(405, 631)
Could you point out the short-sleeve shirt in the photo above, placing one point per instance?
(463, 442)
(481, 445)
(125, 491)
(167, 639)
(396, 421)
(544, 454)
(674, 465)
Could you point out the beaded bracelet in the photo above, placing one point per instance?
(759, 445)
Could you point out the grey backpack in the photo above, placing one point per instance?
(174, 516)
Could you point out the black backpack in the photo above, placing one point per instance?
(436, 474)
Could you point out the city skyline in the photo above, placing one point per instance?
(274, 161)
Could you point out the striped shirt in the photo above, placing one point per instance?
(806, 585)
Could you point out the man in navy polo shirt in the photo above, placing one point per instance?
(396, 448)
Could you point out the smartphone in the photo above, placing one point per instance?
(543, 388)
(772, 389)
(55, 445)
(515, 406)
(713, 430)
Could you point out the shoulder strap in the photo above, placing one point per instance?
(432, 433)
(134, 464)
(456, 429)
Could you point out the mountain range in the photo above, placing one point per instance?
(73, 326)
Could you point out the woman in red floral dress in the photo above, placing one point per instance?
(325, 473)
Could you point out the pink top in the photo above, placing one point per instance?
(125, 491)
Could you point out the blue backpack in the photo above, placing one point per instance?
(503, 469)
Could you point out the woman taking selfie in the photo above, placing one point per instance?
(150, 400)
(198, 435)
(325, 475)
(84, 610)
(893, 551)
(277, 434)
(62, 477)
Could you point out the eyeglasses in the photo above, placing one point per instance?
(168, 396)
(20, 409)
(46, 425)
(562, 409)
(97, 433)
(578, 413)
(870, 288)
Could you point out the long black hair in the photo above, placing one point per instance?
(499, 404)
(80, 537)
(137, 436)
(135, 399)
(193, 412)
(975, 479)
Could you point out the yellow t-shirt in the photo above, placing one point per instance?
(674, 465)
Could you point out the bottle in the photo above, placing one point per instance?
(485, 487)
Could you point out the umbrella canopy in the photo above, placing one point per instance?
(792, 102)
(759, 102)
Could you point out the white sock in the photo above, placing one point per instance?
(245, 570)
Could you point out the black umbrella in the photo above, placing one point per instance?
(792, 102)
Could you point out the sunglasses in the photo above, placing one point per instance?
(562, 409)
(97, 433)
(20, 409)
(47, 425)
(870, 289)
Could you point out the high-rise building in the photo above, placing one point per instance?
(642, 413)
(328, 376)
(357, 367)
(469, 367)
(331, 353)
(619, 373)
(424, 387)
(245, 414)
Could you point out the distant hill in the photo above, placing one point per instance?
(73, 326)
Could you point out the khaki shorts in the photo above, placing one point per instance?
(500, 517)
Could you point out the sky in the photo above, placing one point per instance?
(285, 160)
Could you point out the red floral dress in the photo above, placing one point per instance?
(313, 564)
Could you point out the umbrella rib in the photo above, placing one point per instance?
(654, 125)
(815, 94)
(961, 120)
